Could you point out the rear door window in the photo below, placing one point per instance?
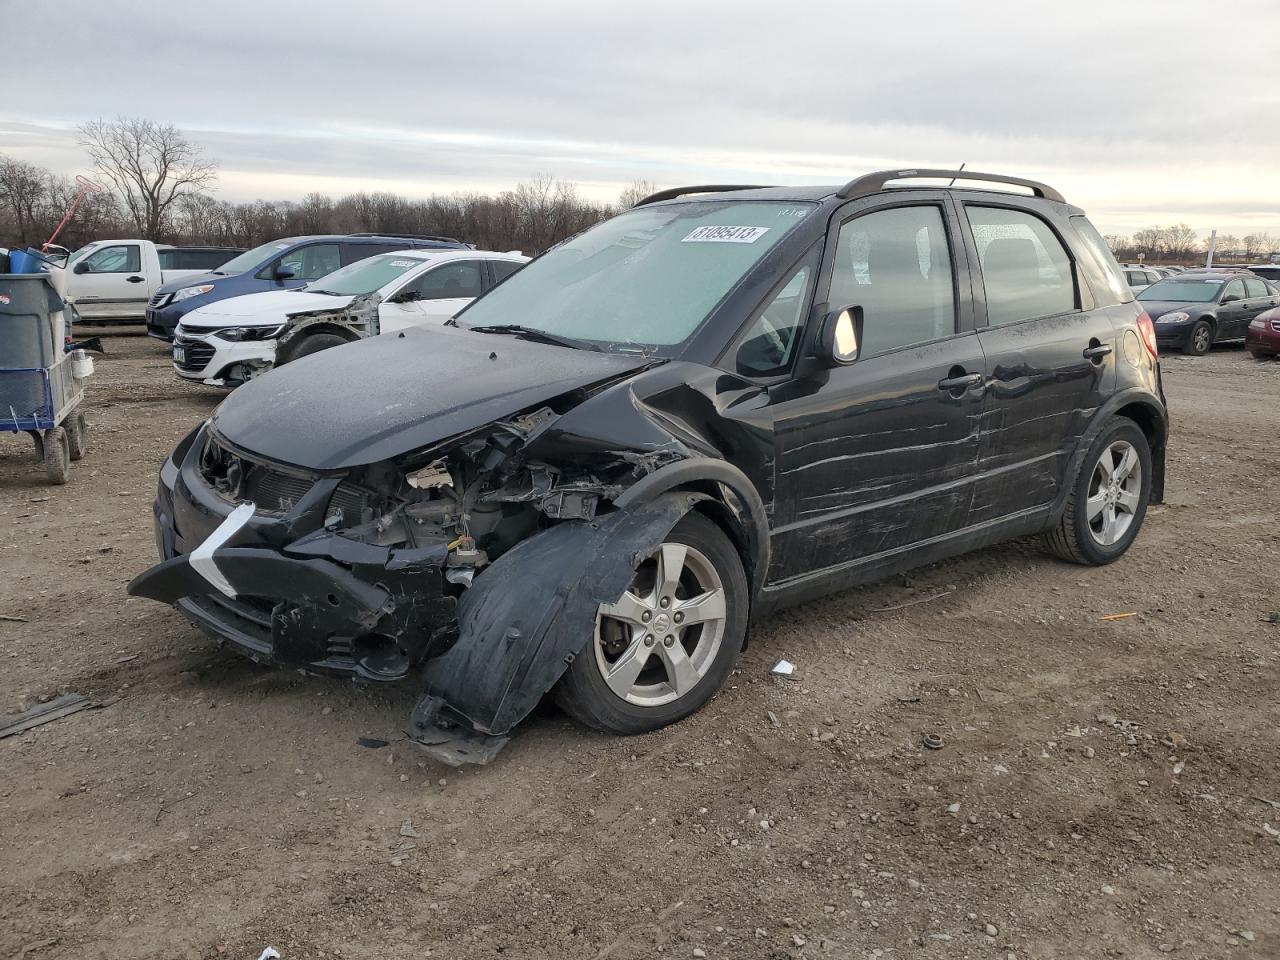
(1026, 271)
(1255, 289)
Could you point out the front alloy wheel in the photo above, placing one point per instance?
(663, 648)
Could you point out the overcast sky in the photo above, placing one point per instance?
(1141, 113)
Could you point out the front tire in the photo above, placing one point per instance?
(1200, 339)
(665, 647)
(57, 455)
(312, 344)
(1109, 496)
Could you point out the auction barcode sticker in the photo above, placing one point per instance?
(726, 235)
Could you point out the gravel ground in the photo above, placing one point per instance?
(1108, 788)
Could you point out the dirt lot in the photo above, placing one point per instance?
(1103, 791)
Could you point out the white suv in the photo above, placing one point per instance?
(234, 340)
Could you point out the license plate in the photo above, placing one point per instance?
(179, 354)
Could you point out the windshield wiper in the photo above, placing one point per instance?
(529, 333)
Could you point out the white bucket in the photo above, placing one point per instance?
(81, 364)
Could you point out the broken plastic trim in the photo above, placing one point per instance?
(524, 620)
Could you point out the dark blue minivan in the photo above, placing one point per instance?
(278, 265)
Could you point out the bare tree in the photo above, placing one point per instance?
(634, 192)
(23, 188)
(150, 164)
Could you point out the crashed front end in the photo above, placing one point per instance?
(373, 571)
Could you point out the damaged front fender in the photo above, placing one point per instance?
(525, 619)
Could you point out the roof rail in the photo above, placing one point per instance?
(872, 183)
(406, 236)
(674, 192)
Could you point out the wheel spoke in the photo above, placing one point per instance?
(1109, 525)
(702, 608)
(1128, 499)
(622, 673)
(1106, 466)
(1094, 505)
(1127, 462)
(629, 608)
(670, 566)
(680, 670)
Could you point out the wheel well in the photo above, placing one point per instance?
(1153, 428)
(726, 511)
(294, 338)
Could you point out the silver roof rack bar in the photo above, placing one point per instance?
(674, 192)
(873, 183)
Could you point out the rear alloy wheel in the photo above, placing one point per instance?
(662, 649)
(1108, 498)
(1200, 339)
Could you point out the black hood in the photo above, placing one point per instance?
(1157, 308)
(388, 395)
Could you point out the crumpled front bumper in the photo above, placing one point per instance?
(315, 600)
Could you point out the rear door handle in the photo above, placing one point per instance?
(1098, 352)
(133, 279)
(962, 382)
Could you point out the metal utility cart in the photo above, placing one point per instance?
(41, 384)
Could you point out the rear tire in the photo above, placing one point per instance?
(312, 344)
(57, 455)
(698, 656)
(77, 435)
(1108, 499)
(1200, 339)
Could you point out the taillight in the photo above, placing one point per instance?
(1147, 330)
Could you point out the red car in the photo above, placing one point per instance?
(1262, 338)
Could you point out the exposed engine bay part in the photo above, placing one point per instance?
(524, 620)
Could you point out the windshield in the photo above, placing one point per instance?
(1191, 291)
(83, 252)
(645, 279)
(364, 276)
(253, 258)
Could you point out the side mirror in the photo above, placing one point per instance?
(840, 337)
(405, 296)
(80, 267)
(284, 272)
(1230, 298)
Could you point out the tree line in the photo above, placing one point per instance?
(1180, 243)
(157, 187)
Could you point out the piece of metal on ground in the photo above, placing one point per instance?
(42, 713)
(933, 741)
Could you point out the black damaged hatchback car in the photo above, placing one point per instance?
(722, 401)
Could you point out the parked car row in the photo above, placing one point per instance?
(233, 340)
(1199, 308)
(719, 403)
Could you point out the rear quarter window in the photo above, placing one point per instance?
(1099, 266)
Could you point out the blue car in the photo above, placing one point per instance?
(278, 265)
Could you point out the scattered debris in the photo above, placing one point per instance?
(908, 699)
(1119, 616)
(406, 829)
(33, 947)
(373, 743)
(783, 668)
(933, 741)
(773, 719)
(41, 713)
(912, 603)
(1272, 617)
(1271, 803)
(128, 659)
(9, 619)
(271, 953)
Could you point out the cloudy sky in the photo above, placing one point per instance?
(1141, 113)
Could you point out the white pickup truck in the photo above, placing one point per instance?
(114, 279)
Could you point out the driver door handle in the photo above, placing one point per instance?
(1098, 352)
(133, 279)
(961, 382)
